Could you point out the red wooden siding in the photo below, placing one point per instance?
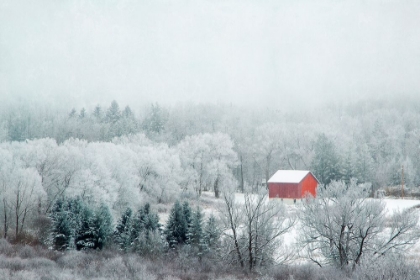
(283, 190)
(309, 184)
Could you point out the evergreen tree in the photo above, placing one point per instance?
(326, 164)
(186, 209)
(128, 123)
(72, 113)
(123, 232)
(146, 232)
(195, 229)
(127, 113)
(211, 233)
(97, 113)
(85, 234)
(177, 227)
(113, 113)
(347, 171)
(102, 226)
(196, 234)
(61, 226)
(75, 208)
(364, 164)
(74, 225)
(156, 121)
(82, 113)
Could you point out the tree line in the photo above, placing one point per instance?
(368, 140)
(340, 228)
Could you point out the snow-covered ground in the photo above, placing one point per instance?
(211, 205)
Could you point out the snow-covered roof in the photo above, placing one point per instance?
(288, 176)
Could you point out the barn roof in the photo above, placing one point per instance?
(288, 176)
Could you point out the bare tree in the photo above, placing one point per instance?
(254, 227)
(26, 189)
(342, 226)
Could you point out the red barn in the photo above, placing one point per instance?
(292, 184)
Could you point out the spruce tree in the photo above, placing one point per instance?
(195, 230)
(151, 219)
(102, 226)
(326, 163)
(211, 233)
(188, 215)
(123, 232)
(177, 227)
(61, 226)
(146, 232)
(113, 114)
(85, 234)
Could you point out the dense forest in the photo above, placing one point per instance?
(98, 178)
(370, 140)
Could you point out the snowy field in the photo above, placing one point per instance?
(210, 205)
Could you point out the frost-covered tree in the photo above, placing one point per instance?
(208, 161)
(20, 189)
(156, 120)
(342, 227)
(195, 236)
(146, 233)
(326, 163)
(211, 234)
(102, 225)
(77, 225)
(113, 114)
(254, 230)
(122, 233)
(85, 237)
(61, 231)
(176, 229)
(66, 222)
(266, 146)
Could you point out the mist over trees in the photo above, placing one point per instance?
(367, 140)
(92, 179)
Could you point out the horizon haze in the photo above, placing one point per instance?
(282, 53)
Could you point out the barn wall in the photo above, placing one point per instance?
(283, 190)
(309, 184)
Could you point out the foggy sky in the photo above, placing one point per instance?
(222, 51)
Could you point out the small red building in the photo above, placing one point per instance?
(292, 184)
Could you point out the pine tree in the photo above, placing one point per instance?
(195, 230)
(211, 233)
(73, 225)
(127, 113)
(122, 234)
(82, 113)
(138, 225)
(97, 113)
(103, 226)
(72, 113)
(177, 227)
(347, 171)
(156, 121)
(61, 226)
(113, 114)
(85, 234)
(326, 163)
(146, 232)
(75, 208)
(188, 216)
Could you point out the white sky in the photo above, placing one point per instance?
(266, 52)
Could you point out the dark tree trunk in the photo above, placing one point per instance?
(216, 188)
(242, 175)
(6, 226)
